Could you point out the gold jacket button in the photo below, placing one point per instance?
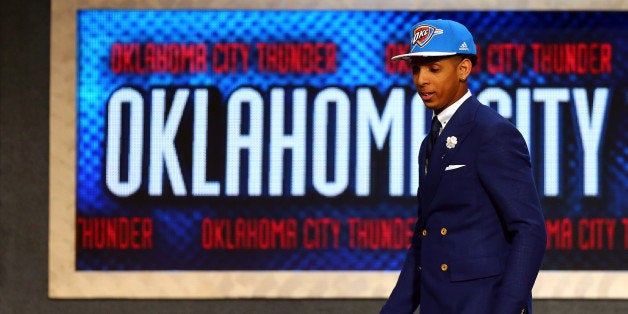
(444, 267)
(443, 231)
(424, 232)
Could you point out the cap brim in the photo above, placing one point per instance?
(407, 56)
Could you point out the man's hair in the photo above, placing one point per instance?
(472, 58)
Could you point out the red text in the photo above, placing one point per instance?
(158, 58)
(375, 234)
(303, 58)
(244, 233)
(572, 58)
(230, 58)
(118, 233)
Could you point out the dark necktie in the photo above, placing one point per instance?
(434, 130)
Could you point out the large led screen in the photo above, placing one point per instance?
(287, 141)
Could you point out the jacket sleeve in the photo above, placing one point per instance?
(406, 296)
(505, 172)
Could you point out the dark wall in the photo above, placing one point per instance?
(24, 111)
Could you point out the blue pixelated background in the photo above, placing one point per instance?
(361, 37)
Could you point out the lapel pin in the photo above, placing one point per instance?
(451, 142)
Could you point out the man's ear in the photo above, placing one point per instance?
(464, 69)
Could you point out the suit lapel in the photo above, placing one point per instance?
(459, 126)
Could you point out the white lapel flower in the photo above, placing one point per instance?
(451, 142)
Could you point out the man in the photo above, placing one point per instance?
(480, 234)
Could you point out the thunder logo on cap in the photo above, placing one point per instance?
(432, 38)
(424, 33)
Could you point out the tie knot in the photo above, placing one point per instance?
(435, 126)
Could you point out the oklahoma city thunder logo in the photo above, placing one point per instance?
(424, 33)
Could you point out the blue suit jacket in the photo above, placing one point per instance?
(480, 234)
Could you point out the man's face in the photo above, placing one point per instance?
(440, 81)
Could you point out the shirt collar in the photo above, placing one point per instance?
(445, 115)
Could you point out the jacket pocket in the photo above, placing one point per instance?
(475, 268)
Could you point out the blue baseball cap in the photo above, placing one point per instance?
(434, 38)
